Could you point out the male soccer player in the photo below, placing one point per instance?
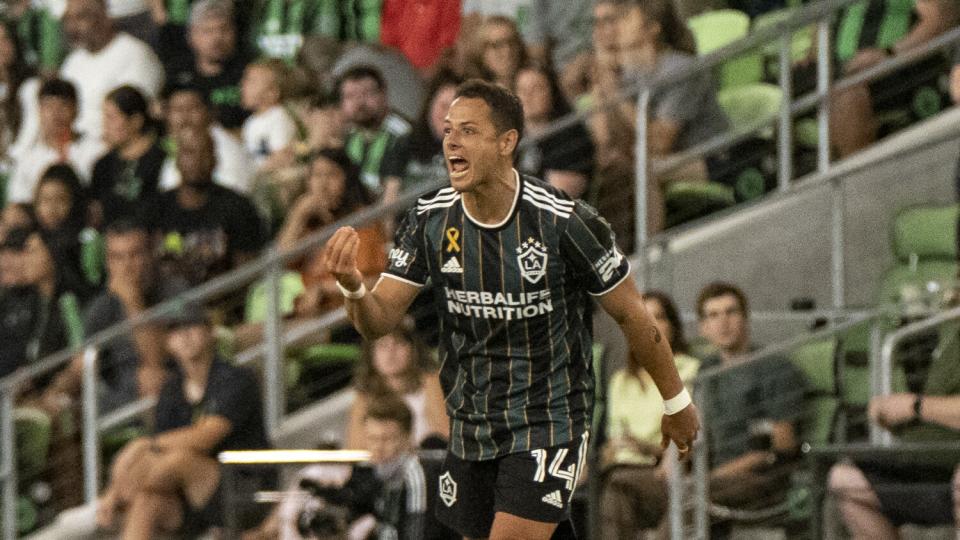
(512, 261)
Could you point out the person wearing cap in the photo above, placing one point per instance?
(171, 479)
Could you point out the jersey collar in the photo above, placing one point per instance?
(513, 207)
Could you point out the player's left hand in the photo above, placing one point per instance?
(681, 428)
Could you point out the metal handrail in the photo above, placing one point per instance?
(883, 365)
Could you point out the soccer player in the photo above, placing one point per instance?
(512, 262)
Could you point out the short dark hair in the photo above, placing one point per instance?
(125, 225)
(505, 108)
(390, 408)
(176, 88)
(717, 289)
(362, 71)
(58, 88)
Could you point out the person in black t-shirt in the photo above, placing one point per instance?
(205, 229)
(512, 261)
(213, 63)
(172, 478)
(18, 302)
(127, 176)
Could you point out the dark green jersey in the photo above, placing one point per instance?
(515, 340)
(282, 25)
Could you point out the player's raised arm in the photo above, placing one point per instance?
(625, 304)
(374, 313)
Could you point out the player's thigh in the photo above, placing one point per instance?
(510, 527)
(538, 485)
(466, 496)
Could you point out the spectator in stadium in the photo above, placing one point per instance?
(128, 175)
(333, 192)
(103, 59)
(171, 480)
(563, 158)
(133, 366)
(498, 51)
(60, 210)
(399, 364)
(389, 504)
(875, 498)
(604, 72)
(205, 229)
(17, 300)
(767, 397)
(270, 129)
(323, 123)
(634, 493)
(422, 31)
(133, 17)
(862, 44)
(189, 107)
(14, 74)
(280, 27)
(558, 35)
(373, 129)
(38, 26)
(57, 142)
(422, 148)
(654, 41)
(214, 62)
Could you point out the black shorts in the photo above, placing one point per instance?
(918, 494)
(535, 485)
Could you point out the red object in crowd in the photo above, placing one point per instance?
(420, 29)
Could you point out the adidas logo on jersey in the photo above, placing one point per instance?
(452, 267)
(553, 499)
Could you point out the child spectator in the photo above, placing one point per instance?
(271, 128)
(398, 364)
(57, 142)
(128, 175)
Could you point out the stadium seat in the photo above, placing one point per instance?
(687, 201)
(747, 105)
(33, 432)
(714, 30)
(291, 286)
(817, 362)
(750, 163)
(800, 44)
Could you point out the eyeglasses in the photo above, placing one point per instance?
(498, 43)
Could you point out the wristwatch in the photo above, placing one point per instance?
(917, 407)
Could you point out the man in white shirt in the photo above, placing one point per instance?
(56, 143)
(188, 107)
(103, 59)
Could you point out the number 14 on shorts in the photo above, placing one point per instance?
(568, 474)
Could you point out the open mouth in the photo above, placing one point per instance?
(457, 165)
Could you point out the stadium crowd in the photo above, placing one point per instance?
(148, 146)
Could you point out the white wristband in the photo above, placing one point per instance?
(677, 403)
(353, 295)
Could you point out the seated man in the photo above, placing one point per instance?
(875, 499)
(750, 409)
(172, 479)
(387, 502)
(868, 35)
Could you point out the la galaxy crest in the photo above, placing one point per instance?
(532, 258)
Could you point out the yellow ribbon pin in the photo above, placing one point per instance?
(453, 235)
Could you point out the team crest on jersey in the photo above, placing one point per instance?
(448, 489)
(532, 257)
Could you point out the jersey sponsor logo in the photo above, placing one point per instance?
(399, 257)
(532, 257)
(452, 266)
(553, 498)
(506, 306)
(608, 264)
(448, 489)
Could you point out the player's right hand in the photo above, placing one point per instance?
(340, 257)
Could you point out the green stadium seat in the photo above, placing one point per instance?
(291, 286)
(749, 104)
(800, 44)
(716, 29)
(33, 430)
(817, 362)
(687, 201)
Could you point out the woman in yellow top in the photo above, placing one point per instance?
(634, 491)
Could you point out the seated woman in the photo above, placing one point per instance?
(172, 479)
(564, 158)
(634, 493)
(398, 364)
(60, 210)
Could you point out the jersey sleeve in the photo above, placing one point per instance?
(589, 246)
(407, 260)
